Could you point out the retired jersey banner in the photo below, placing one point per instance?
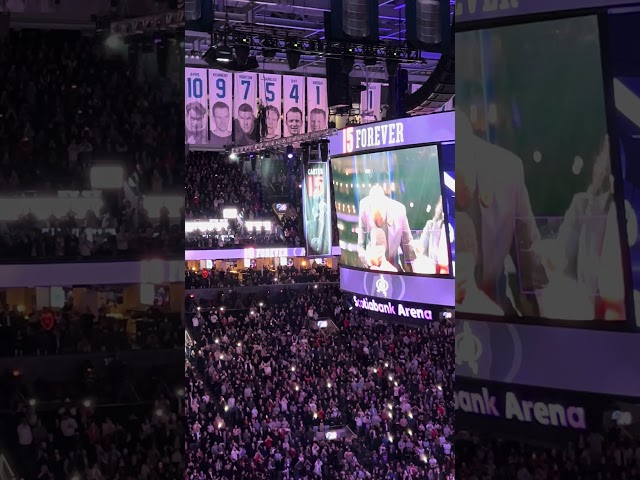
(271, 98)
(221, 105)
(316, 200)
(293, 89)
(317, 104)
(195, 106)
(245, 103)
(370, 101)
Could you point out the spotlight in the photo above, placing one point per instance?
(269, 50)
(392, 67)
(224, 54)
(293, 59)
(242, 54)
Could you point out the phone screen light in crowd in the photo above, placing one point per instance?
(20, 308)
(386, 364)
(230, 213)
(261, 304)
(216, 341)
(331, 435)
(439, 387)
(315, 286)
(32, 402)
(409, 432)
(226, 408)
(222, 309)
(180, 392)
(198, 307)
(328, 384)
(233, 156)
(86, 403)
(252, 312)
(159, 412)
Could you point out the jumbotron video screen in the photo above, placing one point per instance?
(390, 211)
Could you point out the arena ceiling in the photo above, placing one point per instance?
(305, 19)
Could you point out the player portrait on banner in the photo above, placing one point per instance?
(317, 104)
(271, 99)
(293, 99)
(221, 100)
(245, 123)
(195, 127)
(317, 210)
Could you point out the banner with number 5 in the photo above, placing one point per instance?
(220, 108)
(271, 98)
(294, 100)
(245, 104)
(195, 106)
(317, 104)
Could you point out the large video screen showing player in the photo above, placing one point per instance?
(536, 217)
(316, 197)
(390, 211)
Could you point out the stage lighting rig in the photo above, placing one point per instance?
(272, 41)
(283, 144)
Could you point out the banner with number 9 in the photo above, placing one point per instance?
(195, 100)
(220, 108)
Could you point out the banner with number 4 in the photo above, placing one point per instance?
(294, 100)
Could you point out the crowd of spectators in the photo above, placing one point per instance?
(250, 277)
(594, 456)
(264, 387)
(82, 439)
(67, 330)
(67, 103)
(213, 183)
(125, 234)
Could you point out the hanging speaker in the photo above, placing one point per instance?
(338, 92)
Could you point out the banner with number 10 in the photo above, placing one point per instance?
(196, 125)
